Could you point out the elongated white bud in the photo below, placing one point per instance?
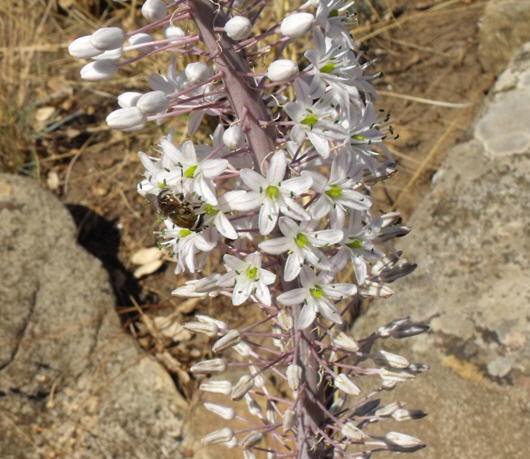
(387, 410)
(225, 412)
(270, 413)
(218, 437)
(154, 10)
(282, 70)
(253, 407)
(297, 24)
(209, 366)
(259, 380)
(394, 376)
(141, 39)
(245, 383)
(128, 99)
(252, 439)
(209, 320)
(153, 102)
(99, 70)
(238, 28)
(233, 137)
(112, 54)
(126, 118)
(403, 440)
(82, 48)
(346, 385)
(294, 372)
(216, 387)
(197, 71)
(351, 431)
(172, 31)
(209, 329)
(388, 358)
(288, 420)
(230, 339)
(345, 342)
(107, 38)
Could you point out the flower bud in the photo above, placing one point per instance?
(346, 385)
(209, 366)
(244, 350)
(128, 99)
(217, 387)
(253, 407)
(270, 413)
(394, 376)
(233, 137)
(282, 70)
(338, 403)
(218, 437)
(285, 320)
(251, 440)
(392, 360)
(99, 70)
(294, 372)
(82, 48)
(350, 430)
(154, 10)
(209, 329)
(172, 31)
(375, 289)
(259, 380)
(403, 440)
(107, 38)
(197, 71)
(112, 54)
(238, 28)
(209, 320)
(387, 410)
(402, 414)
(245, 383)
(141, 39)
(345, 342)
(297, 24)
(288, 420)
(129, 118)
(230, 339)
(153, 102)
(225, 412)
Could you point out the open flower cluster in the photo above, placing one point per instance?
(283, 188)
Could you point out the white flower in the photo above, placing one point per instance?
(313, 120)
(238, 28)
(300, 241)
(272, 194)
(199, 288)
(153, 102)
(318, 295)
(358, 245)
(337, 193)
(196, 175)
(215, 216)
(186, 245)
(248, 278)
(82, 48)
(282, 70)
(126, 119)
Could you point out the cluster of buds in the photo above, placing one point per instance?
(284, 190)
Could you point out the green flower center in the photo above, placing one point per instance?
(334, 191)
(310, 120)
(358, 137)
(333, 13)
(184, 232)
(355, 244)
(190, 171)
(252, 272)
(317, 292)
(272, 192)
(328, 68)
(210, 210)
(301, 240)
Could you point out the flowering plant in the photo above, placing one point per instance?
(284, 189)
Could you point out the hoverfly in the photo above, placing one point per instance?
(180, 211)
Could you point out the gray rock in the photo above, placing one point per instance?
(71, 382)
(471, 241)
(503, 29)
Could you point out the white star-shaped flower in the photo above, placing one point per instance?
(272, 194)
(247, 278)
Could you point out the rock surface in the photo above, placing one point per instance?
(471, 241)
(503, 28)
(72, 384)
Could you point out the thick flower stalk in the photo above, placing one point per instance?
(284, 190)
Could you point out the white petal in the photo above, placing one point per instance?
(297, 185)
(262, 293)
(338, 291)
(241, 292)
(266, 276)
(325, 237)
(320, 208)
(224, 226)
(243, 200)
(293, 266)
(275, 246)
(233, 262)
(268, 216)
(319, 181)
(205, 189)
(213, 167)
(288, 227)
(295, 296)
(307, 277)
(321, 145)
(294, 210)
(252, 179)
(329, 311)
(307, 316)
(277, 167)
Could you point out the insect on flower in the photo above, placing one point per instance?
(178, 209)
